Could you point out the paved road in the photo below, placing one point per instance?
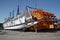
(16, 35)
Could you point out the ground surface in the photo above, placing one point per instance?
(16, 35)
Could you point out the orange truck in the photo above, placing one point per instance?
(47, 20)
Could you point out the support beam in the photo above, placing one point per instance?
(35, 28)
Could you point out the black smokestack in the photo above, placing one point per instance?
(13, 14)
(10, 14)
(18, 10)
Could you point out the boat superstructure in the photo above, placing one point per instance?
(18, 22)
(34, 20)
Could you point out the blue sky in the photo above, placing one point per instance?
(6, 6)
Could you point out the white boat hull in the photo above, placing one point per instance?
(16, 27)
(21, 26)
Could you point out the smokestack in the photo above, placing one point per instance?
(13, 14)
(10, 14)
(18, 10)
